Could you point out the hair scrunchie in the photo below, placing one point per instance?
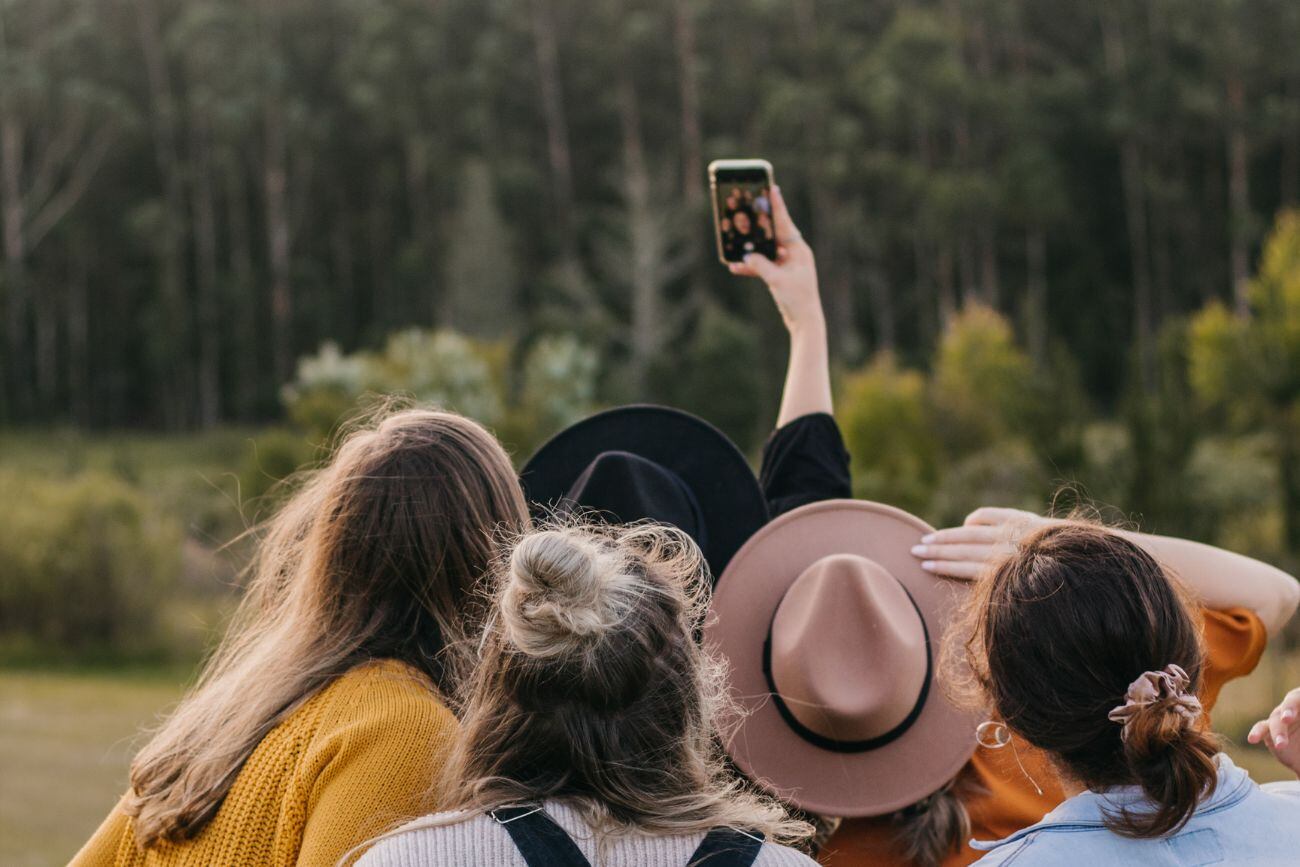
(1153, 686)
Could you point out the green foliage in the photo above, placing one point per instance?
(272, 457)
(440, 368)
(557, 387)
(982, 385)
(887, 429)
(211, 188)
(85, 560)
(719, 376)
(1247, 366)
(1007, 473)
(552, 386)
(482, 279)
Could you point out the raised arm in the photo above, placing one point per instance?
(792, 280)
(1220, 579)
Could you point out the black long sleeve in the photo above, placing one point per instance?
(805, 462)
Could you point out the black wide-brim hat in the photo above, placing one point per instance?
(636, 463)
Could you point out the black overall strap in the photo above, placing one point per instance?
(542, 842)
(727, 847)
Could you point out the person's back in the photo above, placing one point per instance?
(469, 838)
(1241, 823)
(1083, 645)
(325, 714)
(589, 724)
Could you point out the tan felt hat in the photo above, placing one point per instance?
(831, 632)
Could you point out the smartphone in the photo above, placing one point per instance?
(742, 208)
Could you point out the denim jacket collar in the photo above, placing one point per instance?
(1088, 809)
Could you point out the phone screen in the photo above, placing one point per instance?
(743, 207)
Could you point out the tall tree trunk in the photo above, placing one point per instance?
(345, 322)
(559, 158)
(1289, 182)
(13, 214)
(693, 182)
(946, 283)
(827, 207)
(244, 344)
(882, 305)
(990, 284)
(1036, 292)
(688, 87)
(47, 348)
(205, 247)
(646, 337)
(78, 329)
(171, 363)
(275, 193)
(1239, 215)
(1131, 177)
(275, 183)
(422, 225)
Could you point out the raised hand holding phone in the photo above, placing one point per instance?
(792, 280)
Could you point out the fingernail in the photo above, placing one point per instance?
(918, 550)
(928, 565)
(1288, 715)
(1279, 742)
(927, 538)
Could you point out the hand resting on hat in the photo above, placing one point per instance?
(1218, 579)
(987, 535)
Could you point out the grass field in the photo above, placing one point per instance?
(66, 740)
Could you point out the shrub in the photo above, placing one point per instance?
(558, 377)
(883, 414)
(982, 382)
(718, 375)
(83, 562)
(553, 386)
(1005, 474)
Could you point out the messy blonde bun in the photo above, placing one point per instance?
(592, 689)
(563, 588)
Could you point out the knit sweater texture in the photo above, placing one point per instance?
(363, 754)
(480, 841)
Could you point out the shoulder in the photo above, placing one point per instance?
(1235, 639)
(1029, 851)
(383, 714)
(437, 838)
(385, 690)
(776, 855)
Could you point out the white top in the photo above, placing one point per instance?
(480, 841)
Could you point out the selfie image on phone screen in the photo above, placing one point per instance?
(743, 208)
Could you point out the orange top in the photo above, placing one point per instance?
(1234, 641)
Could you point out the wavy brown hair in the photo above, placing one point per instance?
(1053, 637)
(377, 555)
(593, 690)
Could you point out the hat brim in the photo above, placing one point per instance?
(702, 456)
(872, 783)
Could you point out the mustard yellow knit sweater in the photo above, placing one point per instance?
(361, 754)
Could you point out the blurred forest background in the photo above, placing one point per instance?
(1057, 243)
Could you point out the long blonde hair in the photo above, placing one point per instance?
(593, 690)
(378, 555)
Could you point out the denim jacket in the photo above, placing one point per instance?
(1240, 823)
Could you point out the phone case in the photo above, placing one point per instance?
(734, 165)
